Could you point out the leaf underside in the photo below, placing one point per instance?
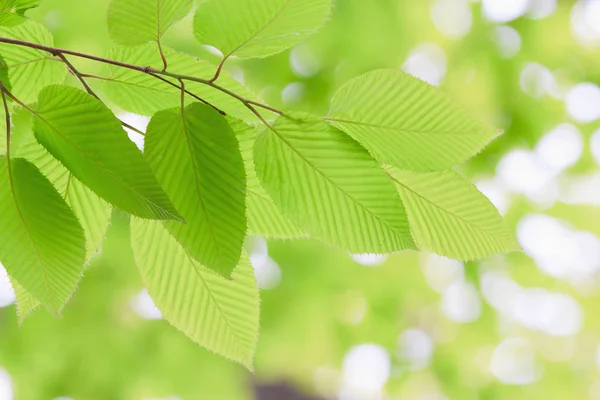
(196, 158)
(47, 265)
(449, 216)
(84, 135)
(406, 122)
(328, 185)
(258, 28)
(217, 313)
(135, 22)
(30, 70)
(264, 218)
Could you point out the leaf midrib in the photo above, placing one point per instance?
(100, 166)
(197, 182)
(422, 197)
(29, 235)
(394, 128)
(310, 164)
(259, 31)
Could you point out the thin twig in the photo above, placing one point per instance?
(77, 75)
(88, 88)
(219, 69)
(7, 116)
(162, 56)
(146, 70)
(200, 99)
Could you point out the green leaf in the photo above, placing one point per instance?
(196, 158)
(85, 136)
(12, 11)
(135, 22)
(264, 218)
(92, 212)
(218, 313)
(42, 244)
(449, 216)
(407, 123)
(30, 70)
(94, 215)
(26, 303)
(331, 187)
(143, 94)
(258, 28)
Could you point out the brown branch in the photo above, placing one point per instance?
(219, 69)
(146, 70)
(8, 127)
(88, 88)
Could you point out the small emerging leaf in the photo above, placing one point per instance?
(85, 136)
(217, 313)
(42, 245)
(197, 160)
(258, 28)
(329, 185)
(449, 216)
(406, 122)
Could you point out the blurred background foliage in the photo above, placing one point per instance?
(408, 326)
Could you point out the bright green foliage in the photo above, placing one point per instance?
(258, 28)
(135, 22)
(142, 94)
(88, 139)
(219, 163)
(92, 212)
(264, 218)
(26, 303)
(449, 216)
(196, 158)
(218, 313)
(30, 70)
(330, 186)
(45, 260)
(12, 11)
(406, 122)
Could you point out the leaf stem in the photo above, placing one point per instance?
(162, 56)
(88, 88)
(219, 69)
(8, 127)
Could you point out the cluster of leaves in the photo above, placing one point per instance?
(373, 176)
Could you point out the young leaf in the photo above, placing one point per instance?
(135, 22)
(85, 136)
(407, 123)
(264, 218)
(196, 158)
(142, 94)
(258, 28)
(217, 313)
(330, 186)
(30, 70)
(449, 216)
(42, 245)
